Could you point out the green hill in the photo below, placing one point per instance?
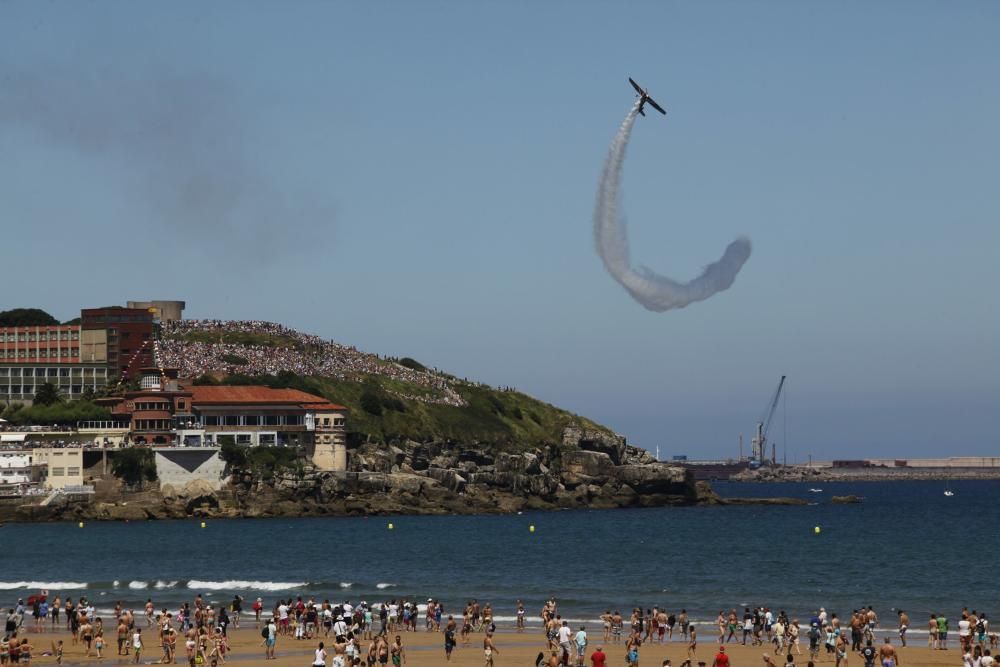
(509, 420)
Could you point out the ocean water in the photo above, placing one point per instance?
(907, 546)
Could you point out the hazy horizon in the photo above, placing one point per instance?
(418, 179)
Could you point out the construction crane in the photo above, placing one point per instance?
(758, 445)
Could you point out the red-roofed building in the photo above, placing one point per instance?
(164, 412)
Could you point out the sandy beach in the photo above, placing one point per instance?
(424, 649)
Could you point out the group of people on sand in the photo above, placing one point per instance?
(372, 634)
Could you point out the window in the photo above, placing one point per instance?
(243, 439)
(271, 420)
(210, 420)
(251, 420)
(52, 372)
(58, 472)
(326, 421)
(338, 421)
(73, 470)
(232, 420)
(293, 420)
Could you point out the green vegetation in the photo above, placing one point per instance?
(75, 320)
(63, 412)
(239, 338)
(234, 359)
(47, 394)
(261, 461)
(509, 420)
(26, 317)
(134, 466)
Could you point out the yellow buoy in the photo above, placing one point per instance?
(816, 530)
(531, 529)
(81, 524)
(202, 524)
(390, 526)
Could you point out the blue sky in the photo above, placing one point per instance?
(419, 179)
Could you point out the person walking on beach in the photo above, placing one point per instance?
(320, 658)
(692, 642)
(449, 638)
(904, 623)
(888, 654)
(489, 649)
(136, 645)
(581, 646)
(270, 633)
(396, 652)
(721, 659)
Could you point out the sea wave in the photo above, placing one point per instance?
(42, 585)
(346, 584)
(138, 585)
(238, 585)
(160, 584)
(383, 586)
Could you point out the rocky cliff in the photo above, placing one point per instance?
(588, 469)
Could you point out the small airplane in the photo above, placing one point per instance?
(644, 97)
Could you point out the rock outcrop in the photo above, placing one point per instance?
(587, 469)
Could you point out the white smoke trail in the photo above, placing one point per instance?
(654, 291)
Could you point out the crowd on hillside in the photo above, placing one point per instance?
(307, 355)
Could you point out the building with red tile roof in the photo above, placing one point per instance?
(165, 412)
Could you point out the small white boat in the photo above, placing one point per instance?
(949, 493)
(815, 490)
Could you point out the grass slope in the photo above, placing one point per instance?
(507, 420)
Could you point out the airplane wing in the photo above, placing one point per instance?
(656, 106)
(635, 85)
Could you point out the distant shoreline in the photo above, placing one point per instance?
(805, 474)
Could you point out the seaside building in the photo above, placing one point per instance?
(128, 334)
(63, 354)
(165, 412)
(62, 466)
(15, 467)
(105, 344)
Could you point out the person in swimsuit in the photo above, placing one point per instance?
(888, 654)
(396, 652)
(26, 649)
(489, 649)
(692, 642)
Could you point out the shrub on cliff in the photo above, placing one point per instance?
(134, 466)
(371, 402)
